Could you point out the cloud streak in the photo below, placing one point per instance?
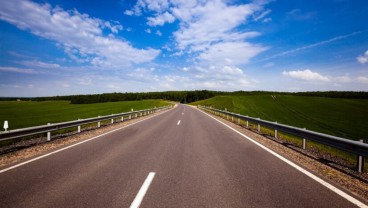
(296, 50)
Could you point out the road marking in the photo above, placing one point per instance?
(138, 199)
(182, 113)
(73, 145)
(314, 177)
(178, 123)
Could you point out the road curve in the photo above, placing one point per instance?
(197, 162)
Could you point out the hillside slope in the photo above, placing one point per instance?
(336, 116)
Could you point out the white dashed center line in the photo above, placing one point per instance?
(178, 123)
(138, 199)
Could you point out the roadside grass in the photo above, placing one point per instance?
(340, 117)
(349, 158)
(30, 113)
(39, 113)
(345, 118)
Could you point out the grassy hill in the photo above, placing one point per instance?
(29, 113)
(346, 118)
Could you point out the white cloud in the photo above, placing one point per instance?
(363, 59)
(206, 25)
(18, 70)
(235, 53)
(129, 12)
(114, 27)
(161, 19)
(40, 64)
(148, 31)
(269, 64)
(296, 50)
(362, 79)
(262, 15)
(297, 14)
(143, 75)
(158, 33)
(307, 75)
(343, 79)
(81, 36)
(265, 20)
(157, 5)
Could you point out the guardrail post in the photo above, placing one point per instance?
(79, 127)
(136, 115)
(247, 124)
(112, 120)
(259, 128)
(130, 117)
(360, 162)
(276, 131)
(239, 121)
(304, 142)
(232, 118)
(122, 118)
(48, 134)
(6, 125)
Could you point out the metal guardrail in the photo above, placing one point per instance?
(13, 134)
(355, 147)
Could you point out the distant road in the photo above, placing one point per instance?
(194, 161)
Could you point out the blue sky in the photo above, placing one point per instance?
(62, 47)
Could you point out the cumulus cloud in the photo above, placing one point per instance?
(161, 19)
(205, 25)
(363, 59)
(307, 75)
(234, 53)
(82, 37)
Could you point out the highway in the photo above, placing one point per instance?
(194, 161)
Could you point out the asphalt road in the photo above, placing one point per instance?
(197, 162)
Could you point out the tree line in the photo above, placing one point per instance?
(184, 96)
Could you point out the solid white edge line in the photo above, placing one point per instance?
(178, 123)
(142, 192)
(73, 145)
(311, 175)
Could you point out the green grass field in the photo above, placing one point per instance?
(340, 117)
(29, 113)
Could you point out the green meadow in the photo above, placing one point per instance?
(346, 118)
(31, 113)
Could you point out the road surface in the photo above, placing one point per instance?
(195, 161)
